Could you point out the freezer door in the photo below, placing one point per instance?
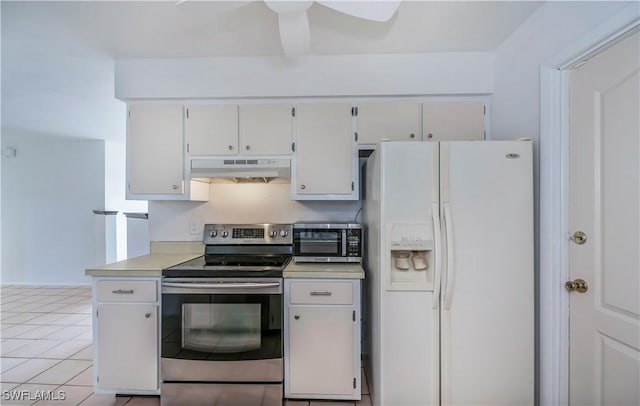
(406, 357)
(487, 301)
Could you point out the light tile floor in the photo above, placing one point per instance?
(46, 348)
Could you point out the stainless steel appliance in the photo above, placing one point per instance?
(327, 242)
(222, 319)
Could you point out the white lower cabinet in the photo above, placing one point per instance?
(322, 339)
(126, 323)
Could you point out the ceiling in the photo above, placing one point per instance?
(58, 57)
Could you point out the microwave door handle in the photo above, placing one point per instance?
(344, 243)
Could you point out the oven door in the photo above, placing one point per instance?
(222, 330)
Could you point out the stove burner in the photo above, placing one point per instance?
(239, 250)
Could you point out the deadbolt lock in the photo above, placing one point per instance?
(578, 285)
(579, 237)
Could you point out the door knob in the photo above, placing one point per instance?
(578, 237)
(579, 285)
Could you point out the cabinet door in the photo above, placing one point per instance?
(324, 149)
(321, 350)
(127, 339)
(388, 122)
(212, 129)
(453, 121)
(155, 144)
(266, 129)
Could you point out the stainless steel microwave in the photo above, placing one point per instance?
(327, 242)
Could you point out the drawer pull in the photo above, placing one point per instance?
(123, 292)
(297, 317)
(147, 315)
(321, 293)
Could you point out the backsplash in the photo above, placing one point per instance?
(242, 204)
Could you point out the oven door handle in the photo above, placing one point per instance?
(220, 285)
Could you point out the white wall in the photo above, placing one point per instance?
(242, 204)
(515, 104)
(314, 75)
(551, 28)
(49, 190)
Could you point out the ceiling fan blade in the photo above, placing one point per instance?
(369, 10)
(288, 6)
(294, 33)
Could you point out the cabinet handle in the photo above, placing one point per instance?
(429, 135)
(123, 292)
(147, 315)
(248, 147)
(303, 187)
(321, 293)
(296, 317)
(174, 187)
(230, 147)
(412, 136)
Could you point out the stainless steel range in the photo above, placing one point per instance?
(222, 319)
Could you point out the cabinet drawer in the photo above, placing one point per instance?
(126, 291)
(322, 293)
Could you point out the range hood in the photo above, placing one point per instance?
(241, 169)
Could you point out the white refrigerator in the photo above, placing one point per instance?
(449, 273)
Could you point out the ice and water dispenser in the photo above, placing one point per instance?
(411, 255)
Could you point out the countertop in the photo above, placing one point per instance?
(146, 265)
(324, 271)
(166, 253)
(163, 255)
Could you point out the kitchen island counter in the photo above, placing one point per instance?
(324, 271)
(146, 265)
(163, 255)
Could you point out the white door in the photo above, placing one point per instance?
(399, 121)
(453, 121)
(405, 320)
(127, 342)
(155, 156)
(324, 159)
(604, 328)
(487, 295)
(266, 129)
(212, 129)
(321, 350)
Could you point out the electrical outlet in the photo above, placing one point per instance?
(194, 226)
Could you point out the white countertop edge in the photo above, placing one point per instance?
(145, 265)
(322, 275)
(324, 270)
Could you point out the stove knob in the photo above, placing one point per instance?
(213, 233)
(283, 233)
(225, 234)
(273, 233)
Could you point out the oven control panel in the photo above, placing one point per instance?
(247, 234)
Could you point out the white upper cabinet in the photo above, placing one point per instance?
(393, 121)
(155, 150)
(212, 129)
(324, 165)
(266, 129)
(453, 121)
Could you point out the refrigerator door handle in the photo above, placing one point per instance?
(450, 264)
(437, 259)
